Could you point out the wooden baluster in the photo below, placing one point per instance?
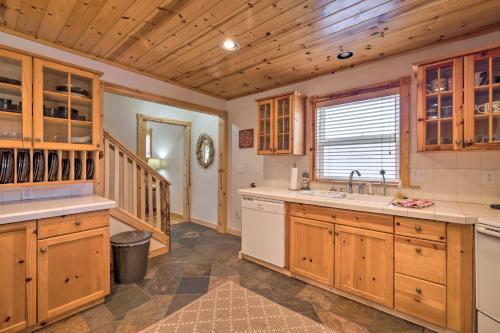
(125, 181)
(165, 209)
(150, 200)
(117, 176)
(134, 188)
(158, 202)
(106, 168)
(142, 188)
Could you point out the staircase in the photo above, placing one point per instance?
(140, 192)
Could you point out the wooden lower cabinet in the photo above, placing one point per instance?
(311, 249)
(364, 263)
(73, 270)
(17, 276)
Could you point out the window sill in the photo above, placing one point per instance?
(357, 182)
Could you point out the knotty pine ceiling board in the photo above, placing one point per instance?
(281, 41)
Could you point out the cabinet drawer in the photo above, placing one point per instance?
(371, 221)
(62, 225)
(418, 228)
(421, 299)
(420, 258)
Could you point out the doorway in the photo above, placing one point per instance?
(165, 145)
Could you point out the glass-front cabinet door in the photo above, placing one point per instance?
(283, 124)
(65, 104)
(15, 100)
(265, 123)
(440, 106)
(482, 100)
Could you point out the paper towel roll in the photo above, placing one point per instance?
(294, 179)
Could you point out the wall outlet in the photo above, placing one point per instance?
(237, 213)
(489, 177)
(419, 175)
(27, 194)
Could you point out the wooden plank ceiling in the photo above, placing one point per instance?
(281, 41)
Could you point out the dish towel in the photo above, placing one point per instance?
(413, 203)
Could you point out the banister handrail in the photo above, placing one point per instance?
(133, 156)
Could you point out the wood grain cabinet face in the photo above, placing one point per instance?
(17, 276)
(364, 263)
(280, 125)
(311, 249)
(73, 270)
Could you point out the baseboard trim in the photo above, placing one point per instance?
(233, 232)
(157, 252)
(203, 223)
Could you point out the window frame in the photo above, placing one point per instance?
(401, 87)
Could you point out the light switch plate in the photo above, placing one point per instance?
(419, 175)
(489, 177)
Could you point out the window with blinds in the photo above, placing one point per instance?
(361, 135)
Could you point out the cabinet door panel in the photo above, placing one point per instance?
(364, 263)
(72, 270)
(311, 249)
(283, 128)
(18, 286)
(265, 123)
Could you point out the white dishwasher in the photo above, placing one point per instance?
(263, 230)
(488, 275)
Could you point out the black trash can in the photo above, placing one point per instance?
(130, 255)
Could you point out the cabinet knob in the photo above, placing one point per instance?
(38, 140)
(418, 250)
(333, 215)
(458, 141)
(304, 258)
(330, 232)
(43, 249)
(418, 228)
(418, 290)
(78, 222)
(310, 260)
(27, 138)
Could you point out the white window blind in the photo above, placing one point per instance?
(361, 135)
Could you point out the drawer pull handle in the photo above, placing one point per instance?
(78, 222)
(418, 228)
(310, 260)
(330, 232)
(333, 215)
(418, 290)
(304, 258)
(43, 249)
(418, 250)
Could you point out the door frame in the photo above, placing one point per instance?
(142, 119)
(223, 137)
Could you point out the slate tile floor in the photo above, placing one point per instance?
(202, 259)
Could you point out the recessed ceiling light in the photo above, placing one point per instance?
(344, 55)
(230, 45)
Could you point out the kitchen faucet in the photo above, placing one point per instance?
(350, 179)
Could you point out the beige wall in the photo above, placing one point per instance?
(449, 176)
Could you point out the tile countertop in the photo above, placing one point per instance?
(18, 211)
(454, 212)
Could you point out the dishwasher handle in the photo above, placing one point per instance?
(488, 231)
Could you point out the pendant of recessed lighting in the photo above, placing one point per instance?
(344, 55)
(229, 45)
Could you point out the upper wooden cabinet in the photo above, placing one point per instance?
(15, 100)
(66, 107)
(459, 103)
(281, 125)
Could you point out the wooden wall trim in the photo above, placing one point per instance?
(404, 130)
(357, 91)
(150, 97)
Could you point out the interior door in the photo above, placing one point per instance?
(311, 249)
(364, 263)
(17, 276)
(73, 270)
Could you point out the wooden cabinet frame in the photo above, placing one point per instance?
(26, 96)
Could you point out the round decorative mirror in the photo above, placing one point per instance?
(205, 151)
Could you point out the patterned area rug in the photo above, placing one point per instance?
(232, 308)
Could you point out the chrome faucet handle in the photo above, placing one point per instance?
(362, 188)
(333, 189)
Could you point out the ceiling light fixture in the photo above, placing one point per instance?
(344, 55)
(230, 45)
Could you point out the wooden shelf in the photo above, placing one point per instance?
(82, 123)
(63, 121)
(13, 88)
(11, 114)
(445, 93)
(63, 97)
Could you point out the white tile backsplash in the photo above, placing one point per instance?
(469, 185)
(43, 192)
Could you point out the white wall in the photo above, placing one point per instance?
(168, 145)
(449, 176)
(120, 119)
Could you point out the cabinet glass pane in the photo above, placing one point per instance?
(481, 72)
(481, 101)
(431, 83)
(280, 142)
(496, 129)
(280, 125)
(446, 106)
(280, 108)
(54, 80)
(446, 136)
(268, 127)
(287, 106)
(55, 130)
(431, 104)
(286, 141)
(446, 82)
(287, 125)
(81, 86)
(10, 99)
(431, 133)
(481, 129)
(496, 70)
(495, 101)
